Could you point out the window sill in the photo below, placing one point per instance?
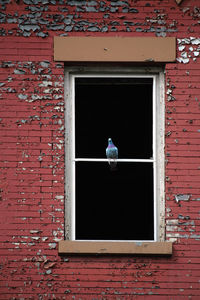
(95, 247)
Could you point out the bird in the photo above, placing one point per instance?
(112, 155)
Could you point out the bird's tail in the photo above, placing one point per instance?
(113, 165)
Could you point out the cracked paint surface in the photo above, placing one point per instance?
(32, 143)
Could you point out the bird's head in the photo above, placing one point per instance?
(109, 141)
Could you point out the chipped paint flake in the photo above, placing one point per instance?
(181, 197)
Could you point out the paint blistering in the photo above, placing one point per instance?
(189, 49)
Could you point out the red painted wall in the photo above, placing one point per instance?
(32, 152)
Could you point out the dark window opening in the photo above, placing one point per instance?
(114, 205)
(120, 108)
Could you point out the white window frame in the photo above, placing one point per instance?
(158, 141)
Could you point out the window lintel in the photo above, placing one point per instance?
(115, 49)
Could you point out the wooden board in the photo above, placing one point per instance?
(115, 49)
(82, 247)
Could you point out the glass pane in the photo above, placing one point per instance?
(117, 108)
(114, 205)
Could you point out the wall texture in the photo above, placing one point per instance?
(32, 152)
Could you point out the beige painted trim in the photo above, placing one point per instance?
(115, 49)
(142, 248)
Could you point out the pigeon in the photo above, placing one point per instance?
(112, 155)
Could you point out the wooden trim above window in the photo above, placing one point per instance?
(115, 49)
(138, 248)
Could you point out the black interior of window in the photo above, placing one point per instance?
(120, 108)
(114, 205)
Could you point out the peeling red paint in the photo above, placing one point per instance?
(32, 152)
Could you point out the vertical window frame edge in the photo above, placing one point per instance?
(160, 171)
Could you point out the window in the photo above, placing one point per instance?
(126, 105)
